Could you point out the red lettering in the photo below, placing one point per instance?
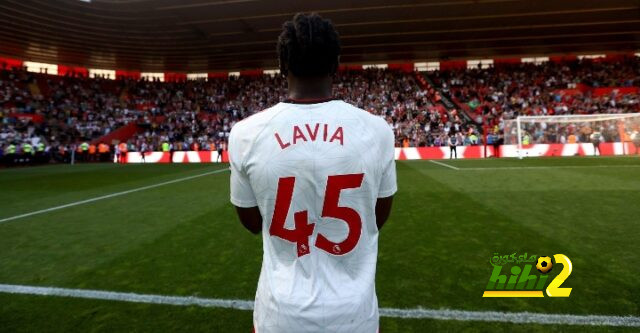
(337, 136)
(335, 184)
(303, 229)
(312, 135)
(315, 131)
(282, 145)
(297, 134)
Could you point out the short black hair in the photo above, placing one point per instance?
(309, 46)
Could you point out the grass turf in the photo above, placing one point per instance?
(184, 239)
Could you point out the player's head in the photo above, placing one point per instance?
(308, 47)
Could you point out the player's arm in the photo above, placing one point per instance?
(388, 184)
(383, 209)
(242, 196)
(250, 218)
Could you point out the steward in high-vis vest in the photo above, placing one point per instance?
(103, 152)
(84, 151)
(27, 148)
(92, 152)
(27, 152)
(474, 139)
(10, 154)
(165, 147)
(11, 149)
(40, 155)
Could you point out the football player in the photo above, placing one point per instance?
(316, 176)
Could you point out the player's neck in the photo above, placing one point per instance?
(317, 88)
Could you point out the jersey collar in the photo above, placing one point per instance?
(308, 100)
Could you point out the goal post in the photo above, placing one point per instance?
(569, 129)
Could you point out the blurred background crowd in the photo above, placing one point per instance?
(46, 117)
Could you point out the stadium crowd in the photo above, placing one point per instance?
(62, 116)
(493, 95)
(44, 117)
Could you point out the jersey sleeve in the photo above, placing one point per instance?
(241, 192)
(388, 184)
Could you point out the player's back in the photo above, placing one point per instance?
(315, 171)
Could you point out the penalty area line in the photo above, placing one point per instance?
(444, 165)
(419, 313)
(108, 196)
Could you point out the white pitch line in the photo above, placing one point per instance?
(553, 167)
(108, 196)
(419, 313)
(444, 165)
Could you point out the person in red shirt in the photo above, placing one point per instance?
(122, 155)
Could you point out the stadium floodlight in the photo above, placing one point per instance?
(152, 76)
(39, 67)
(482, 63)
(197, 76)
(429, 66)
(375, 66)
(271, 72)
(570, 129)
(591, 56)
(535, 60)
(102, 73)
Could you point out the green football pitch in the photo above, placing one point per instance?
(170, 230)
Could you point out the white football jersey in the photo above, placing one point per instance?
(315, 172)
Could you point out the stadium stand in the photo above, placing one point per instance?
(495, 94)
(55, 116)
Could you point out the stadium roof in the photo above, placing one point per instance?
(201, 35)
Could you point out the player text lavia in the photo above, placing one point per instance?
(310, 133)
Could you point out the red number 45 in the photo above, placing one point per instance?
(303, 229)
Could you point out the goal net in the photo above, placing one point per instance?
(620, 128)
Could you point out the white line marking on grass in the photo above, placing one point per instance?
(553, 167)
(127, 297)
(440, 314)
(82, 202)
(444, 165)
(513, 317)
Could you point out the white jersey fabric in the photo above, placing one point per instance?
(324, 280)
